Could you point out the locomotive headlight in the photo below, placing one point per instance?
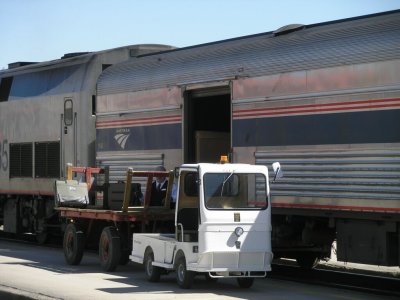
(239, 231)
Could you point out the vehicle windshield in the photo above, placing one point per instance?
(235, 191)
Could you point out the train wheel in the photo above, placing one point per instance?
(153, 273)
(184, 278)
(245, 282)
(73, 244)
(307, 261)
(109, 249)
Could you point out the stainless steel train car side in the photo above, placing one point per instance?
(322, 99)
(47, 119)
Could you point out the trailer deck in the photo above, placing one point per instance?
(134, 214)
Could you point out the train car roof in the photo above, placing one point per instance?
(70, 59)
(293, 48)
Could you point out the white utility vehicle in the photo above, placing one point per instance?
(222, 226)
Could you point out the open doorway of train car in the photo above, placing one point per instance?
(207, 124)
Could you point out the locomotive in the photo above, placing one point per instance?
(47, 119)
(323, 99)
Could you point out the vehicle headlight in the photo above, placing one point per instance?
(239, 231)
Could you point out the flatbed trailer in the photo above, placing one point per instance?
(88, 225)
(138, 214)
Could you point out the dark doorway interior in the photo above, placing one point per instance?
(208, 125)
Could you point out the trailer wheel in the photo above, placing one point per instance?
(307, 261)
(184, 278)
(109, 249)
(153, 273)
(245, 282)
(73, 244)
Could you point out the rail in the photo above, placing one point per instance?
(88, 171)
(150, 175)
(130, 173)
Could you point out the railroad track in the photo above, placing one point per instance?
(360, 280)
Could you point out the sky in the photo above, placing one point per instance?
(41, 30)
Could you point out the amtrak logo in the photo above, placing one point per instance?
(121, 139)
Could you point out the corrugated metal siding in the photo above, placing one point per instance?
(47, 159)
(342, 174)
(119, 164)
(342, 43)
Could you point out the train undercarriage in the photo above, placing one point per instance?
(366, 238)
(305, 238)
(34, 215)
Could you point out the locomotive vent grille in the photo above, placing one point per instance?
(47, 160)
(21, 160)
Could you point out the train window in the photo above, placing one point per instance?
(5, 88)
(21, 160)
(47, 160)
(105, 66)
(68, 112)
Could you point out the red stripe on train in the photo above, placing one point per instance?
(337, 207)
(140, 121)
(318, 108)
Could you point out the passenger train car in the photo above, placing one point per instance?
(322, 99)
(47, 119)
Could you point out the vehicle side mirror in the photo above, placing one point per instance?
(176, 172)
(277, 170)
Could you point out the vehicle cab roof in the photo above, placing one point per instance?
(226, 168)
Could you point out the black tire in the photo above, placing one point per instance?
(73, 244)
(184, 278)
(109, 249)
(245, 282)
(307, 261)
(153, 273)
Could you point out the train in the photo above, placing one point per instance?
(47, 119)
(323, 99)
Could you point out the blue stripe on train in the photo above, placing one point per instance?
(167, 136)
(340, 128)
